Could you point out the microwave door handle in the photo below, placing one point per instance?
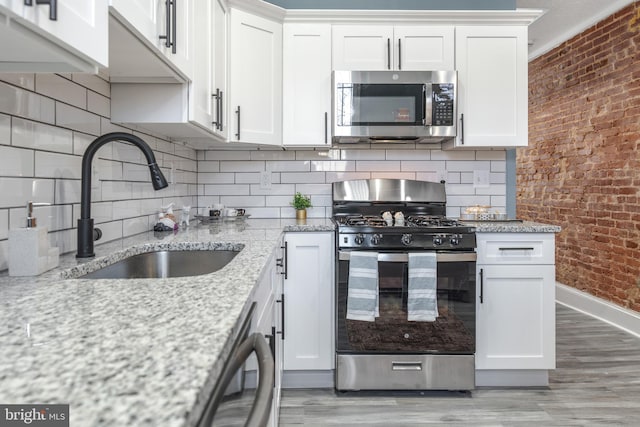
(428, 104)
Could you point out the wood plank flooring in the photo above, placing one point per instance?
(596, 383)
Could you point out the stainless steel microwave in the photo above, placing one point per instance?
(394, 106)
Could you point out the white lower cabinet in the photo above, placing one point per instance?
(308, 308)
(516, 302)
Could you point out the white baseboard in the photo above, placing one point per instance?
(622, 318)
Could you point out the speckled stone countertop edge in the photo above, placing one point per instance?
(512, 227)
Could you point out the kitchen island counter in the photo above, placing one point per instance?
(132, 352)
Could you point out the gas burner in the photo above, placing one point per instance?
(367, 220)
(433, 221)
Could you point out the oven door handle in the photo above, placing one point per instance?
(404, 257)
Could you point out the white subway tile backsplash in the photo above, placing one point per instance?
(302, 177)
(16, 161)
(93, 82)
(218, 178)
(4, 224)
(25, 81)
(465, 166)
(243, 201)
(288, 166)
(272, 155)
(459, 189)
(319, 155)
(68, 191)
(110, 231)
(344, 176)
(498, 166)
(136, 172)
(98, 104)
(394, 175)
(74, 118)
(227, 190)
(492, 189)
(311, 189)
(333, 166)
(208, 166)
(276, 189)
(117, 190)
(126, 209)
(62, 89)
(186, 152)
(279, 200)
(18, 191)
(452, 155)
(29, 134)
(378, 166)
(227, 155)
(65, 240)
(468, 200)
(353, 154)
(263, 212)
(57, 165)
(491, 155)
(241, 166)
(498, 178)
(408, 155)
(107, 127)
(133, 226)
(81, 141)
(125, 152)
(5, 129)
(19, 102)
(421, 166)
(4, 254)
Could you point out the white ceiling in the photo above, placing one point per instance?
(564, 19)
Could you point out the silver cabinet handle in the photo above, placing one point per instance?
(326, 127)
(221, 109)
(515, 249)
(389, 54)
(462, 129)
(53, 7)
(170, 23)
(403, 257)
(399, 54)
(238, 113)
(217, 96)
(481, 285)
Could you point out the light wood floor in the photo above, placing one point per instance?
(597, 382)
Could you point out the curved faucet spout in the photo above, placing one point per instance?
(86, 231)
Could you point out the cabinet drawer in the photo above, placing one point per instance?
(516, 248)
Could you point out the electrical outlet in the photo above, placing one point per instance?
(481, 178)
(265, 180)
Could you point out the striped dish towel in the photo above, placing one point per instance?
(422, 305)
(362, 299)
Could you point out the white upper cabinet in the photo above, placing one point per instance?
(151, 40)
(220, 68)
(492, 86)
(375, 47)
(255, 79)
(306, 77)
(68, 36)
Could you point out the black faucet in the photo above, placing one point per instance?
(86, 233)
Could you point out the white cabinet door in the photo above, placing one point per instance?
(71, 36)
(492, 82)
(160, 25)
(362, 47)
(424, 48)
(515, 317)
(255, 79)
(309, 302)
(370, 47)
(201, 102)
(306, 77)
(220, 68)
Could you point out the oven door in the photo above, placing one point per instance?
(453, 331)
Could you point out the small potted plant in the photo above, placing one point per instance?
(300, 204)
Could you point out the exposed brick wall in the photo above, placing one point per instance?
(582, 167)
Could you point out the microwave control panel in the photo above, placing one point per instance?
(442, 106)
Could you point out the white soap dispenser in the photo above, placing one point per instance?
(29, 250)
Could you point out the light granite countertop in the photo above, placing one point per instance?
(512, 227)
(136, 352)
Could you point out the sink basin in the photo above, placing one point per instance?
(163, 264)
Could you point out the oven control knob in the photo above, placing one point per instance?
(359, 239)
(437, 240)
(454, 240)
(406, 239)
(375, 239)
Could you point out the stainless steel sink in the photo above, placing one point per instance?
(163, 264)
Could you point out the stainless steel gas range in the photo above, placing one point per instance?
(405, 320)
